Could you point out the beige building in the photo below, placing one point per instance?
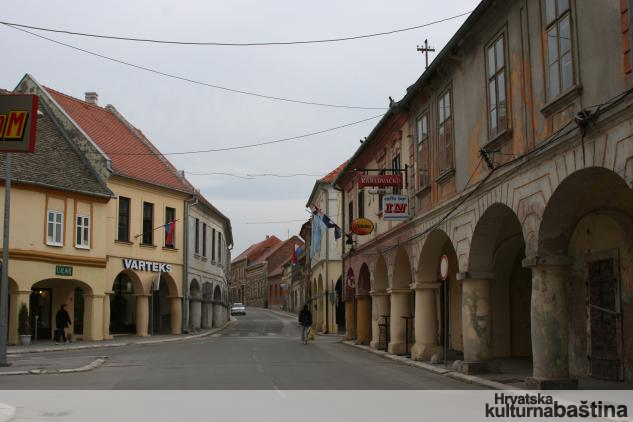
(142, 226)
(58, 235)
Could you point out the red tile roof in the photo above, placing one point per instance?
(260, 250)
(329, 178)
(132, 154)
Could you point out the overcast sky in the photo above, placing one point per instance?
(178, 116)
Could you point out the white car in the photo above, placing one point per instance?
(238, 308)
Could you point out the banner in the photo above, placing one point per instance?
(395, 207)
(380, 180)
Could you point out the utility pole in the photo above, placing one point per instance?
(426, 50)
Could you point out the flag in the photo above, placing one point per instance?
(169, 233)
(330, 224)
(296, 253)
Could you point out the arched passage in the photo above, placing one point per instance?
(496, 290)
(363, 306)
(195, 305)
(45, 300)
(350, 318)
(437, 320)
(340, 306)
(319, 305)
(165, 306)
(123, 303)
(582, 287)
(217, 307)
(401, 298)
(380, 306)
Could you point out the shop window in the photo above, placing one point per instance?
(560, 61)
(497, 87)
(82, 234)
(124, 219)
(445, 133)
(148, 223)
(55, 228)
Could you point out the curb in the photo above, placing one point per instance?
(7, 412)
(120, 344)
(86, 368)
(470, 379)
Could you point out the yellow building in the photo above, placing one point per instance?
(57, 249)
(141, 228)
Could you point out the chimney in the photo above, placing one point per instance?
(92, 98)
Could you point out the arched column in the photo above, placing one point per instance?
(17, 298)
(550, 331)
(476, 321)
(142, 314)
(400, 308)
(176, 313)
(93, 310)
(426, 332)
(363, 319)
(195, 313)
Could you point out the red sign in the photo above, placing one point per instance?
(18, 119)
(380, 180)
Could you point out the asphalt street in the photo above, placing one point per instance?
(261, 351)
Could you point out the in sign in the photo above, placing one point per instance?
(444, 267)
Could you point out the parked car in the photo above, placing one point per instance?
(238, 309)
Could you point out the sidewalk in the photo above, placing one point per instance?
(119, 341)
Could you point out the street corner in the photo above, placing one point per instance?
(7, 412)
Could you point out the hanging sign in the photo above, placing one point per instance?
(380, 180)
(362, 226)
(395, 207)
(444, 267)
(18, 119)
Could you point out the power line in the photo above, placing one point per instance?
(232, 44)
(251, 176)
(193, 81)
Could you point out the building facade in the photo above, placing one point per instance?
(521, 203)
(210, 239)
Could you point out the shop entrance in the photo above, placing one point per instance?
(41, 307)
(123, 306)
(161, 315)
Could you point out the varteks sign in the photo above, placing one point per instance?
(156, 267)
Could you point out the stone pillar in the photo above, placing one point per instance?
(17, 298)
(93, 314)
(176, 314)
(106, 315)
(142, 314)
(400, 307)
(380, 306)
(550, 331)
(426, 332)
(363, 319)
(349, 319)
(476, 321)
(195, 313)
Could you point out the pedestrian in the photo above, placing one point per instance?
(305, 319)
(62, 320)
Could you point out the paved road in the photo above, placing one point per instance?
(261, 350)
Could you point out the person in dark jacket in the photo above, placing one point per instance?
(62, 320)
(305, 319)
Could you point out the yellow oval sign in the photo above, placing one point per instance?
(362, 226)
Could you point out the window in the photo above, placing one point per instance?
(560, 66)
(82, 237)
(204, 239)
(148, 223)
(422, 141)
(361, 203)
(395, 169)
(212, 244)
(445, 133)
(350, 214)
(497, 102)
(124, 219)
(219, 247)
(170, 217)
(55, 228)
(197, 238)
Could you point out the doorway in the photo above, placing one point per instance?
(41, 306)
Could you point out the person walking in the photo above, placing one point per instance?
(62, 320)
(305, 319)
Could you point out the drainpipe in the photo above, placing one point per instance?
(327, 262)
(185, 274)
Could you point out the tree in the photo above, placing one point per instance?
(24, 328)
